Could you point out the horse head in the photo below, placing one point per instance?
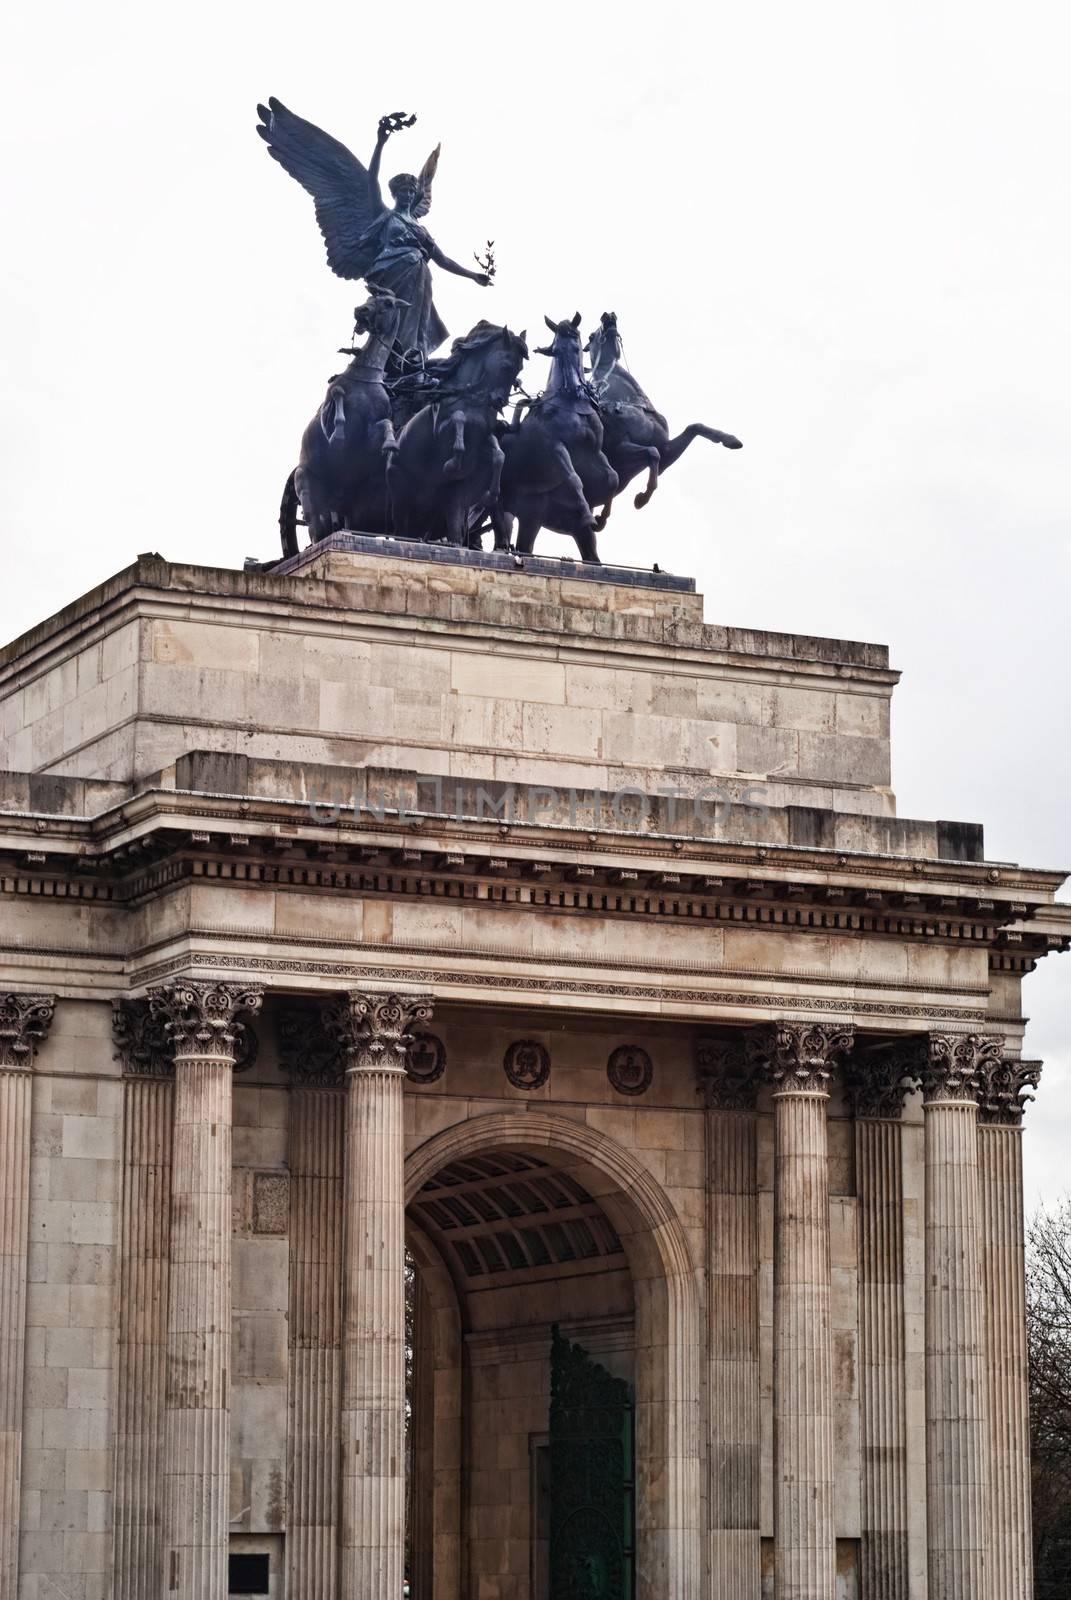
(604, 347)
(487, 359)
(379, 315)
(564, 350)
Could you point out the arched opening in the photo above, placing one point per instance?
(517, 1222)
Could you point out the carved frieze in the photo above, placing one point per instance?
(527, 1064)
(24, 1022)
(798, 1057)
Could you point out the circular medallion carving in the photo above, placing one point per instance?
(426, 1059)
(527, 1064)
(629, 1069)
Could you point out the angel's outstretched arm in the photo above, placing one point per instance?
(375, 193)
(447, 265)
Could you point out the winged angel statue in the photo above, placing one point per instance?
(365, 238)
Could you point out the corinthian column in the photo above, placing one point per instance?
(145, 1224)
(957, 1434)
(202, 1023)
(374, 1029)
(878, 1089)
(24, 1021)
(1005, 1089)
(799, 1059)
(728, 1086)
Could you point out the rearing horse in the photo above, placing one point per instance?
(555, 468)
(636, 435)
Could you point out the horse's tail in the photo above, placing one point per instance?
(333, 415)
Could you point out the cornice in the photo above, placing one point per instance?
(521, 865)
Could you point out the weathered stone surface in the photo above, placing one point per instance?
(755, 1261)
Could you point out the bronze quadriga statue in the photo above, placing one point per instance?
(412, 444)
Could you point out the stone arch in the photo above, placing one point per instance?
(668, 1325)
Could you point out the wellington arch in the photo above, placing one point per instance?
(495, 1100)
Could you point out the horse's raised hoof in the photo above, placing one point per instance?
(601, 521)
(642, 498)
(731, 442)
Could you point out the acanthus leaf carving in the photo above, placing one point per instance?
(879, 1082)
(309, 1051)
(957, 1065)
(374, 1031)
(727, 1079)
(1006, 1091)
(142, 1043)
(206, 1019)
(799, 1057)
(24, 1023)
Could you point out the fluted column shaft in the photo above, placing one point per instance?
(957, 1440)
(1004, 1275)
(728, 1088)
(15, 1087)
(141, 1367)
(24, 1021)
(879, 1184)
(202, 1023)
(373, 1349)
(317, 1118)
(799, 1059)
(804, 1532)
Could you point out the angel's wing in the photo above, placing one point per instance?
(427, 177)
(347, 201)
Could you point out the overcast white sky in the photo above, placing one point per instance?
(839, 230)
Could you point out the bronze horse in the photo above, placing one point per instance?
(447, 467)
(555, 470)
(340, 478)
(636, 435)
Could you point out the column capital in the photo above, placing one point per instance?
(798, 1057)
(878, 1083)
(725, 1078)
(1005, 1091)
(206, 1019)
(142, 1044)
(310, 1049)
(24, 1023)
(374, 1030)
(954, 1066)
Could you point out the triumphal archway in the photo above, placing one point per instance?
(493, 1097)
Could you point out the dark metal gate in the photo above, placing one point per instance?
(592, 1492)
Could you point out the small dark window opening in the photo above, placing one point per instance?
(248, 1575)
